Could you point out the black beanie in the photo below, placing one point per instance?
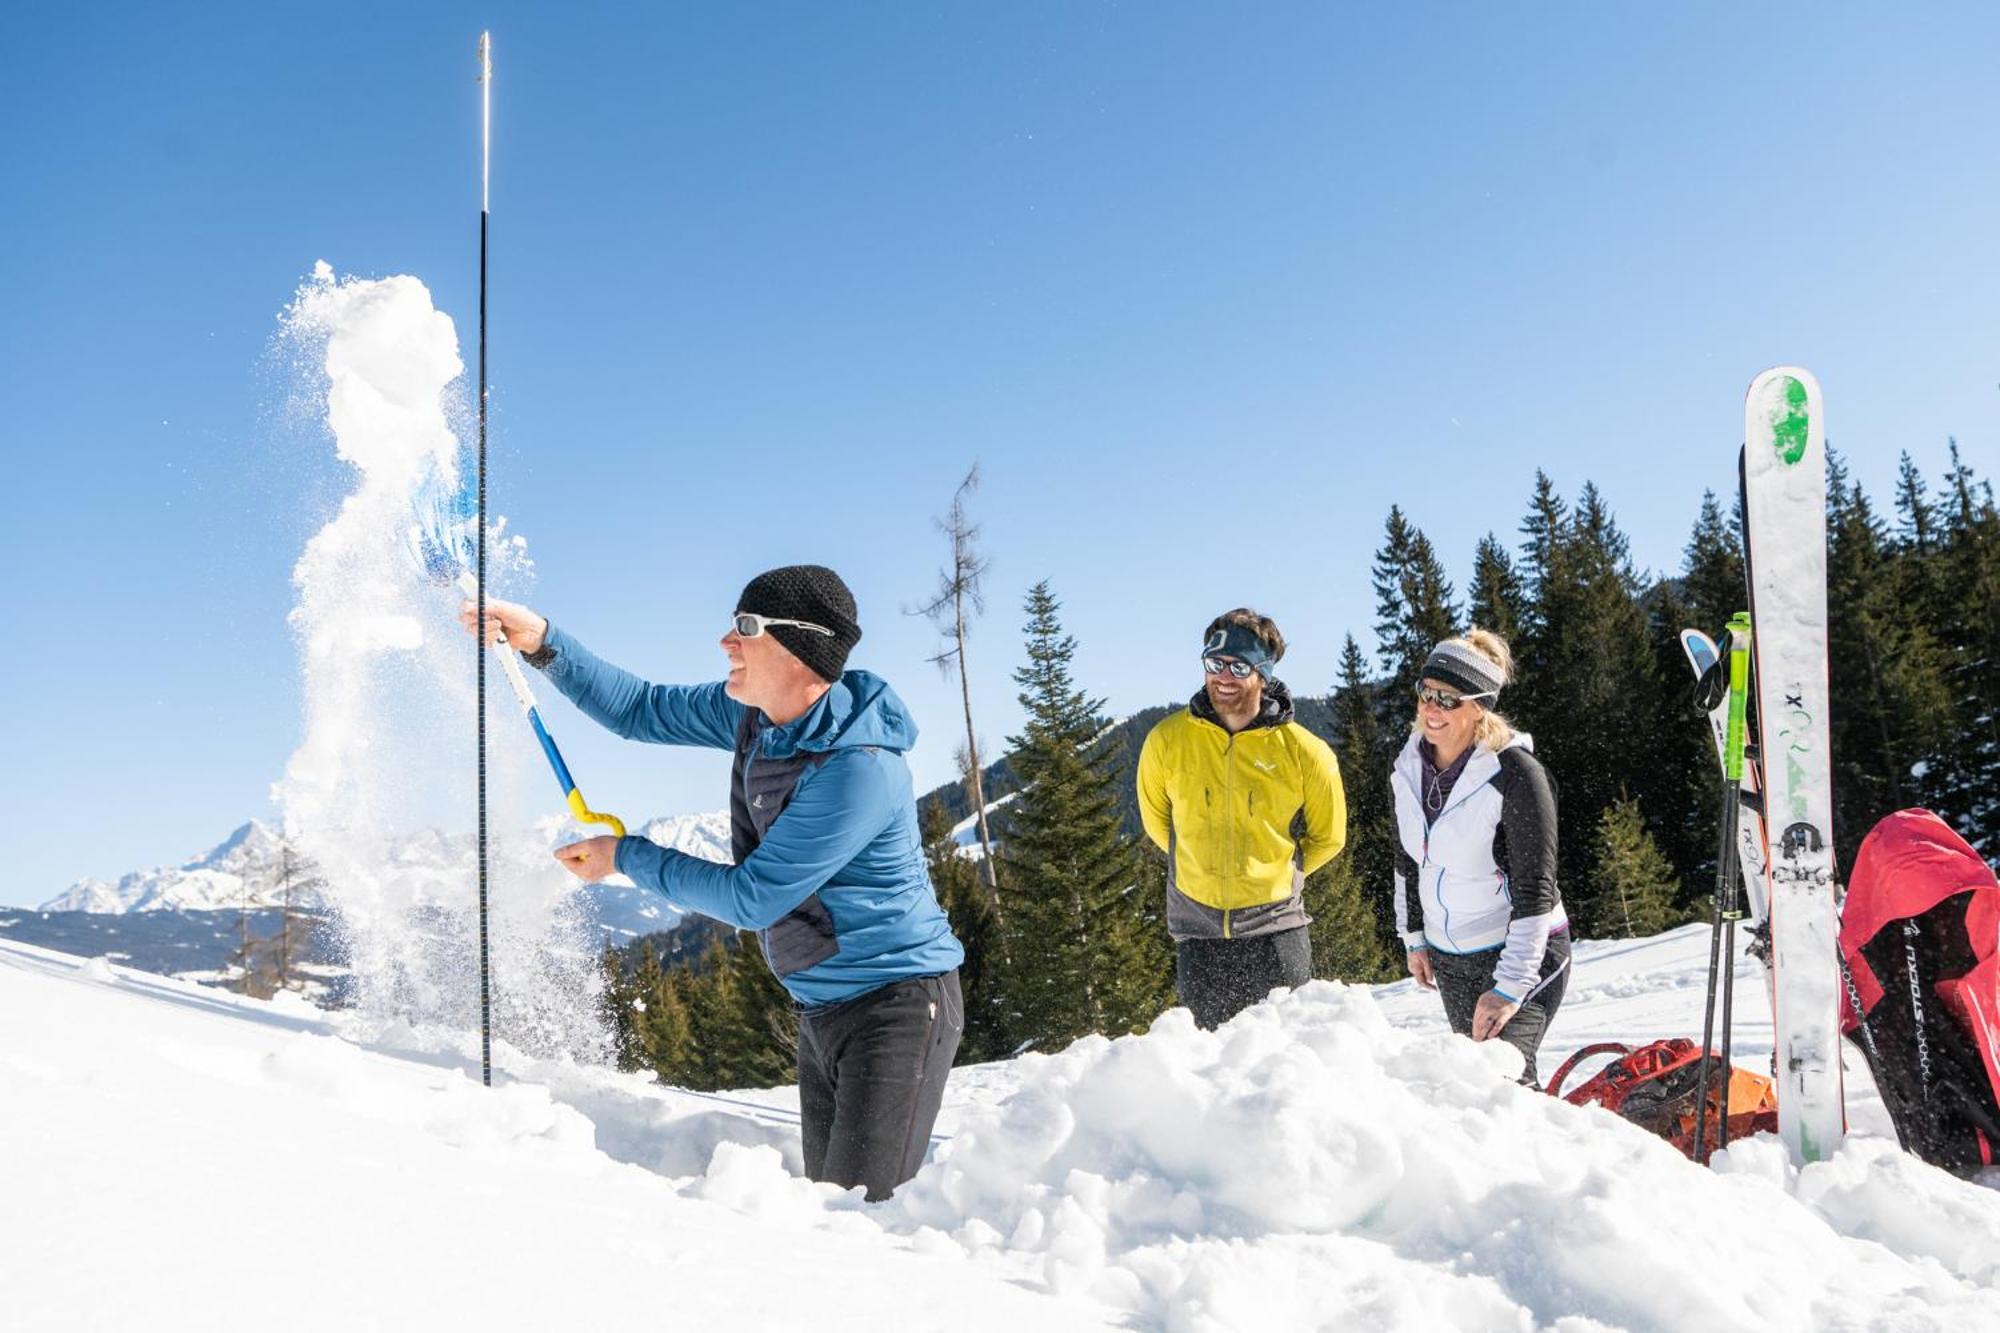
(814, 594)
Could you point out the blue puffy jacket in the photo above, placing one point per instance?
(830, 864)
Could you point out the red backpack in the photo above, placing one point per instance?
(1920, 947)
(1656, 1086)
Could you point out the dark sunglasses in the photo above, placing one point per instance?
(1236, 667)
(1445, 699)
(750, 626)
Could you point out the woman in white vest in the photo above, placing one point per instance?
(1476, 898)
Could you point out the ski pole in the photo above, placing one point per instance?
(1722, 937)
(1732, 910)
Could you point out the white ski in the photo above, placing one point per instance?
(1784, 491)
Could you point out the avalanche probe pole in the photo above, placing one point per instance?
(485, 179)
(1727, 910)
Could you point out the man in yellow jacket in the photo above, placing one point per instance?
(1222, 785)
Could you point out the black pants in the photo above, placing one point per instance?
(1463, 977)
(1219, 979)
(871, 1080)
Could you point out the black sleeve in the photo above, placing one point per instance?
(545, 654)
(1413, 902)
(1525, 842)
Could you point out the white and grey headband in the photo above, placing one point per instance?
(1463, 669)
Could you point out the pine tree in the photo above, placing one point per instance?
(1636, 888)
(1683, 782)
(1413, 603)
(1588, 670)
(1712, 578)
(962, 893)
(1543, 530)
(712, 1004)
(1497, 599)
(1919, 519)
(1961, 604)
(1537, 699)
(1886, 674)
(646, 1012)
(1676, 772)
(663, 1028)
(676, 1055)
(1345, 945)
(1366, 750)
(1069, 886)
(617, 1007)
(764, 1026)
(1148, 986)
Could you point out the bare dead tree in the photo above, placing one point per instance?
(959, 597)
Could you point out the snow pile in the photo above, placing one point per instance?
(175, 1157)
(389, 697)
(1313, 1165)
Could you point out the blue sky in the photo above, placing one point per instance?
(1204, 288)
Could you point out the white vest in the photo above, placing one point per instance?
(1463, 892)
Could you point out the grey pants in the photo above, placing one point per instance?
(1463, 977)
(1219, 979)
(871, 1080)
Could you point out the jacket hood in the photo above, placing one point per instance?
(1275, 711)
(858, 709)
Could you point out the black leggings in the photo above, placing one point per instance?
(871, 1080)
(1219, 979)
(1463, 977)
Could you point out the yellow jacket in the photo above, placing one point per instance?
(1222, 807)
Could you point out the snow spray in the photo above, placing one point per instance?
(389, 701)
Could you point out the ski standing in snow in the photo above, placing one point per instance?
(1221, 784)
(1784, 506)
(823, 825)
(1476, 899)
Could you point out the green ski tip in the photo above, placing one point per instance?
(1789, 431)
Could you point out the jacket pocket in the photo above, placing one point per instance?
(799, 939)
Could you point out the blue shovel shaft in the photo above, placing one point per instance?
(567, 782)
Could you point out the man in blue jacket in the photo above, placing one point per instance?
(829, 866)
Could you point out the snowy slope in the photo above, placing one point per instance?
(174, 1159)
(1332, 1159)
(965, 833)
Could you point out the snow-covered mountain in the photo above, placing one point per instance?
(253, 867)
(706, 836)
(249, 868)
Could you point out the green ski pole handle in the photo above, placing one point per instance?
(1739, 694)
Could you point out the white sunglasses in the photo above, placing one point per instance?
(750, 625)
